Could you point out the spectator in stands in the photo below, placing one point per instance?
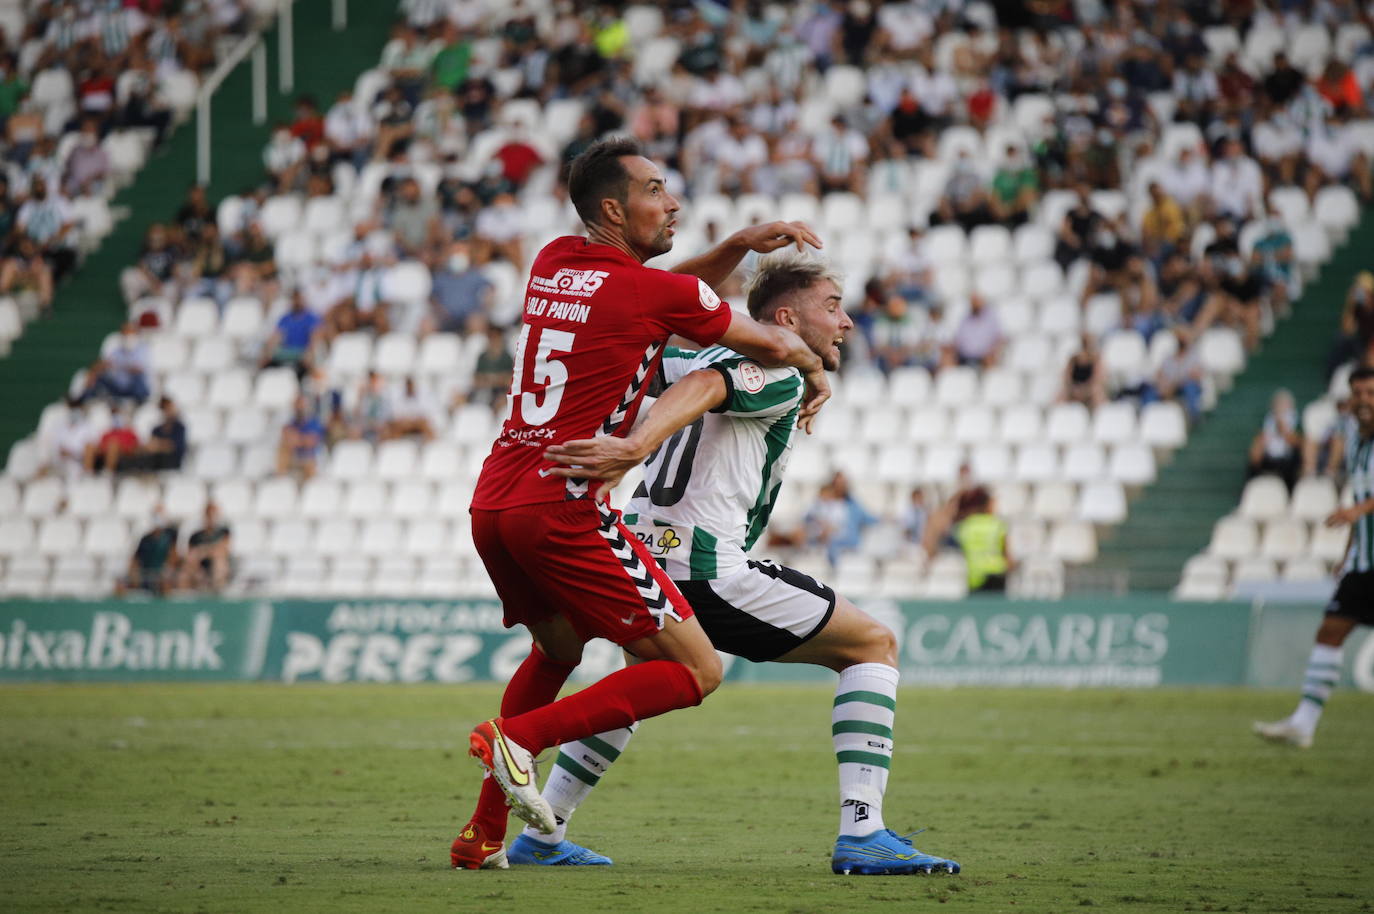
(978, 338)
(13, 89)
(194, 214)
(25, 268)
(285, 159)
(123, 372)
(153, 566)
(1179, 378)
(1164, 227)
(72, 441)
(492, 374)
(1015, 188)
(1077, 231)
(500, 230)
(1110, 253)
(460, 292)
(1272, 260)
(738, 155)
(116, 448)
(1336, 156)
(836, 521)
(166, 447)
(1195, 87)
(982, 537)
(413, 218)
(411, 412)
(143, 105)
(394, 127)
(965, 201)
(371, 414)
(519, 157)
(1236, 184)
(308, 125)
(46, 219)
(290, 344)
(1234, 287)
(209, 554)
(155, 271)
(1277, 142)
(1277, 447)
(1085, 377)
(898, 334)
(915, 515)
(841, 157)
(207, 268)
(1284, 80)
(300, 443)
(364, 308)
(909, 268)
(88, 164)
(1187, 180)
(1356, 339)
(253, 264)
(349, 130)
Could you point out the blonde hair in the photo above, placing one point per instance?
(781, 273)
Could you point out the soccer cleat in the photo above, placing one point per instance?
(1284, 731)
(525, 849)
(513, 767)
(885, 853)
(472, 851)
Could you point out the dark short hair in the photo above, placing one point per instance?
(1363, 373)
(781, 274)
(598, 173)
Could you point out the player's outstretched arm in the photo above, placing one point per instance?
(774, 346)
(716, 265)
(609, 458)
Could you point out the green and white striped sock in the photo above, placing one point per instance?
(578, 768)
(1323, 671)
(861, 726)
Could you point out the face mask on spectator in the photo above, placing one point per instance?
(1117, 88)
(458, 263)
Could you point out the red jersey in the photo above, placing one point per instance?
(595, 323)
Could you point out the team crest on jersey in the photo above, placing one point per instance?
(581, 283)
(751, 377)
(709, 299)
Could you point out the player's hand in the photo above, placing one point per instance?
(607, 458)
(773, 235)
(1343, 516)
(817, 392)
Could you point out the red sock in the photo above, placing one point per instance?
(534, 685)
(634, 693)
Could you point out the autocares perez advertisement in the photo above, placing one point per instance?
(1133, 642)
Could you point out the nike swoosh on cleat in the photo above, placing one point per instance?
(519, 775)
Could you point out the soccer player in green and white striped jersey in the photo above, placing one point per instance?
(1353, 602)
(720, 438)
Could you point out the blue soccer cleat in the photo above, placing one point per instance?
(883, 853)
(527, 850)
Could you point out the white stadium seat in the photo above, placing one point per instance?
(1264, 498)
(1234, 538)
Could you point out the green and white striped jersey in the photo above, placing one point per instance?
(1359, 472)
(708, 490)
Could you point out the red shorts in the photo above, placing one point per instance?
(577, 560)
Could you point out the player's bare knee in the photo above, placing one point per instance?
(881, 646)
(708, 672)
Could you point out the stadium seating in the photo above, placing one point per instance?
(389, 517)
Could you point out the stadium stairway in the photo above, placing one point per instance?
(87, 307)
(1173, 518)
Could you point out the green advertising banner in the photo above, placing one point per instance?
(163, 640)
(1132, 642)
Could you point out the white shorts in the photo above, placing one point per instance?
(761, 611)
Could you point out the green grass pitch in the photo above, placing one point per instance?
(246, 798)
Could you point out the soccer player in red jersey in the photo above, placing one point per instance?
(595, 324)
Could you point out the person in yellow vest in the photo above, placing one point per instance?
(982, 536)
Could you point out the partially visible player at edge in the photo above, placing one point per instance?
(595, 324)
(707, 496)
(1353, 602)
